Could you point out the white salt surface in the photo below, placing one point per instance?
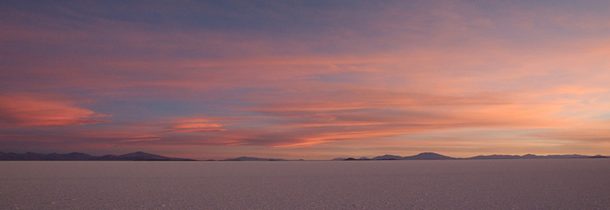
(461, 184)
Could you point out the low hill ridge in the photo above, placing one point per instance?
(134, 156)
(437, 156)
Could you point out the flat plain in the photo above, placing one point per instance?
(442, 184)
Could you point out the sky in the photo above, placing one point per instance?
(305, 79)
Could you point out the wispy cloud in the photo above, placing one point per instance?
(189, 125)
(23, 110)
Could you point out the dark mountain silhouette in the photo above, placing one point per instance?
(428, 156)
(420, 156)
(436, 156)
(38, 156)
(360, 158)
(141, 156)
(530, 156)
(246, 158)
(69, 156)
(388, 157)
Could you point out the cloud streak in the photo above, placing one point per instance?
(31, 111)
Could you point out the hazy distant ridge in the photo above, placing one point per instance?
(436, 156)
(139, 156)
(143, 156)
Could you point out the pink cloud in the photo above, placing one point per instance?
(23, 110)
(189, 125)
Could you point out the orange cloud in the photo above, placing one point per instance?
(583, 132)
(22, 110)
(190, 125)
(363, 114)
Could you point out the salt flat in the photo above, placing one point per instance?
(448, 184)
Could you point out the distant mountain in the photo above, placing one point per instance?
(528, 156)
(143, 156)
(420, 156)
(138, 156)
(38, 156)
(428, 156)
(436, 156)
(388, 157)
(360, 158)
(246, 158)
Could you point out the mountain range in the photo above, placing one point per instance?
(143, 156)
(135, 156)
(436, 156)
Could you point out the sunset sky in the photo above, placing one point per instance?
(305, 79)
